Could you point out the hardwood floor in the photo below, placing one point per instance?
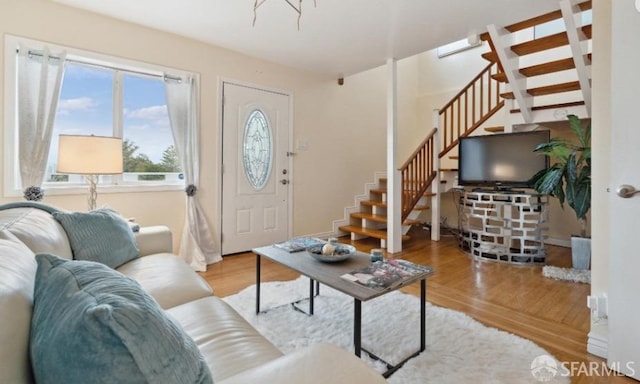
(515, 299)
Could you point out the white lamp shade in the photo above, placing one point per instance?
(89, 155)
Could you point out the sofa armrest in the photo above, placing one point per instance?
(156, 239)
(316, 364)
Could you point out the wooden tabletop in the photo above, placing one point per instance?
(329, 273)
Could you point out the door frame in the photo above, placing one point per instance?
(218, 177)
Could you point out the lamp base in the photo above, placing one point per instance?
(92, 180)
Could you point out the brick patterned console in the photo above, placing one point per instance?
(504, 227)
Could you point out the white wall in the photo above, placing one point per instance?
(345, 126)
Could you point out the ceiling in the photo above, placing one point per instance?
(336, 37)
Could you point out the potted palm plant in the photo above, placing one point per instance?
(569, 179)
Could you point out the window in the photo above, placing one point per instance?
(458, 46)
(105, 96)
(257, 149)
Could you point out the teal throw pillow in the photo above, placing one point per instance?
(101, 235)
(92, 324)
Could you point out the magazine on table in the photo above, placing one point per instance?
(299, 244)
(385, 274)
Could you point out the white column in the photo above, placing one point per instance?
(394, 190)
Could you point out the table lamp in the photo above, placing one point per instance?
(90, 156)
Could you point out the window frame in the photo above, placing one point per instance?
(121, 67)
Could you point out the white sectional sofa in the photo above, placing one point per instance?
(233, 350)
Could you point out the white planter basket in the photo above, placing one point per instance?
(581, 252)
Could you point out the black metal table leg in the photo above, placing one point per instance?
(311, 295)
(312, 283)
(357, 324)
(391, 369)
(423, 319)
(257, 283)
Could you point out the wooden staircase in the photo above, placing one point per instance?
(417, 176)
(536, 79)
(371, 220)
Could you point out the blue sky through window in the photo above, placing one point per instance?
(145, 119)
(86, 107)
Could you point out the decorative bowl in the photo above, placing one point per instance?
(342, 252)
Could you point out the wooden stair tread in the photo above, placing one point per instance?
(508, 95)
(454, 157)
(448, 169)
(500, 76)
(548, 42)
(587, 30)
(494, 129)
(552, 106)
(550, 67)
(547, 89)
(541, 44)
(380, 218)
(555, 88)
(540, 69)
(490, 56)
(373, 203)
(371, 232)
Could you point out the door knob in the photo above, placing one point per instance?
(284, 181)
(626, 191)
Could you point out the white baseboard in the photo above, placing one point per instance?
(325, 235)
(598, 345)
(598, 342)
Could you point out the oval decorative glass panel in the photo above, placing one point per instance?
(257, 149)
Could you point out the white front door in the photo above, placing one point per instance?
(255, 178)
(624, 259)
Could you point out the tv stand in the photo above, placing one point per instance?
(504, 226)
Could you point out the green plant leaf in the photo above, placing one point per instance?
(549, 182)
(581, 201)
(569, 177)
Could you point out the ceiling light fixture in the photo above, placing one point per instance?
(297, 8)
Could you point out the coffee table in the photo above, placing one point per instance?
(329, 275)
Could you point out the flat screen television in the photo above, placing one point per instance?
(501, 161)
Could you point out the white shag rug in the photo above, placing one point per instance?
(570, 274)
(459, 349)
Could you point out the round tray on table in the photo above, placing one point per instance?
(342, 252)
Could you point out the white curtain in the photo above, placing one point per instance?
(197, 247)
(39, 83)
